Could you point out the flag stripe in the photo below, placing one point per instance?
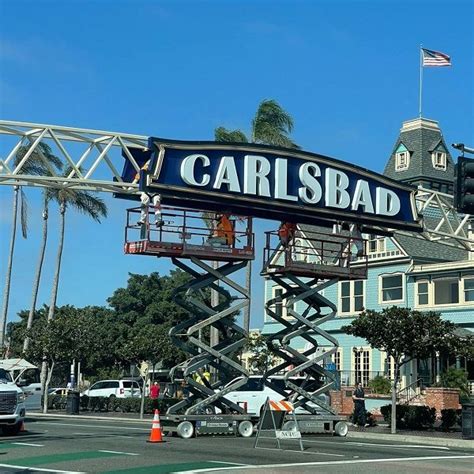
(435, 58)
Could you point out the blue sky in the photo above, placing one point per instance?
(346, 71)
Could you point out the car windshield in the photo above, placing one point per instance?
(5, 376)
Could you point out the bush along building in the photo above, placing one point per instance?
(403, 270)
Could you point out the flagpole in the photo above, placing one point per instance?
(421, 78)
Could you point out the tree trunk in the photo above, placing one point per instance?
(47, 379)
(54, 291)
(248, 287)
(393, 423)
(39, 269)
(6, 291)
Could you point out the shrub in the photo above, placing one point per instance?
(380, 384)
(449, 418)
(456, 378)
(411, 417)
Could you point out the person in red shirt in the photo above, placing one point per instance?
(286, 232)
(154, 394)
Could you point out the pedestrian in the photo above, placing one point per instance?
(154, 394)
(223, 230)
(359, 406)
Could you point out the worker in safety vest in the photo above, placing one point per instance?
(223, 232)
(286, 233)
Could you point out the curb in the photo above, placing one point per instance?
(445, 442)
(87, 417)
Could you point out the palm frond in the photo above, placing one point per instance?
(36, 164)
(88, 204)
(222, 134)
(23, 214)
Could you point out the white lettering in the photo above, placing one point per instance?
(336, 184)
(187, 170)
(362, 197)
(387, 203)
(311, 191)
(256, 169)
(281, 181)
(227, 174)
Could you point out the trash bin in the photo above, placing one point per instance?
(72, 403)
(467, 422)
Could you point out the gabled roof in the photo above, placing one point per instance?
(420, 137)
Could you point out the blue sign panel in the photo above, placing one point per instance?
(275, 183)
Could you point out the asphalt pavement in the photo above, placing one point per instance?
(119, 446)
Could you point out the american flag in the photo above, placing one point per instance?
(435, 58)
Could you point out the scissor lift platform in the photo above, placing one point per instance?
(185, 233)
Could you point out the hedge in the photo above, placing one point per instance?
(410, 417)
(106, 404)
(449, 418)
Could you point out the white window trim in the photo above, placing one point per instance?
(442, 164)
(398, 158)
(351, 296)
(339, 351)
(462, 296)
(430, 294)
(391, 302)
(284, 312)
(353, 367)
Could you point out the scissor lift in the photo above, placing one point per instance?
(303, 268)
(186, 237)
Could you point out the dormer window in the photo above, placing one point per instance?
(439, 160)
(402, 158)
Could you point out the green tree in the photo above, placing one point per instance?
(404, 334)
(38, 162)
(260, 358)
(271, 125)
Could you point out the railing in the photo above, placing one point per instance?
(349, 378)
(411, 391)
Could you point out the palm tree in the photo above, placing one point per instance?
(270, 126)
(88, 204)
(36, 164)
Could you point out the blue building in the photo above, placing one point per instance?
(403, 270)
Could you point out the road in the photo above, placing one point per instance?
(93, 446)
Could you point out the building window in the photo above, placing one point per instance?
(361, 365)
(446, 291)
(280, 305)
(422, 293)
(392, 288)
(402, 160)
(352, 297)
(375, 244)
(439, 160)
(300, 251)
(468, 290)
(337, 360)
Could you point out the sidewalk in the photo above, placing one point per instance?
(429, 437)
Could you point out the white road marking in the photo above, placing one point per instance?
(117, 452)
(328, 463)
(29, 444)
(225, 462)
(84, 434)
(400, 445)
(34, 469)
(302, 452)
(95, 426)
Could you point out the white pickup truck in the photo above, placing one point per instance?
(12, 404)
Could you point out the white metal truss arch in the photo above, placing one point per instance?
(94, 158)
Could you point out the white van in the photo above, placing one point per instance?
(254, 392)
(114, 389)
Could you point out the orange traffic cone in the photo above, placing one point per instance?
(22, 427)
(156, 436)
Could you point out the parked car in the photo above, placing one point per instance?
(114, 388)
(61, 391)
(254, 392)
